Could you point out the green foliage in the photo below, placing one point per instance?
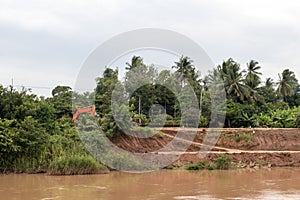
(223, 162)
(204, 122)
(287, 118)
(61, 101)
(173, 123)
(104, 91)
(247, 136)
(149, 131)
(197, 166)
(74, 165)
(141, 117)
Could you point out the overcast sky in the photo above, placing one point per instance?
(44, 43)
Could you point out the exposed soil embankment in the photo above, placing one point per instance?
(275, 147)
(261, 139)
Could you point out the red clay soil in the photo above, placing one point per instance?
(276, 147)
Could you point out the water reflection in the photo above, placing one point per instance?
(232, 184)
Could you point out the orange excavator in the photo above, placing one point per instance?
(79, 111)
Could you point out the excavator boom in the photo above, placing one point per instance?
(79, 111)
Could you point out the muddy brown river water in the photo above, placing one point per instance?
(283, 183)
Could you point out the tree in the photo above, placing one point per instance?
(267, 91)
(104, 89)
(140, 87)
(269, 83)
(136, 61)
(252, 78)
(62, 101)
(185, 69)
(233, 80)
(287, 84)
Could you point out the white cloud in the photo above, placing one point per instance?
(61, 33)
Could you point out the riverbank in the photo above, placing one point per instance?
(234, 148)
(258, 147)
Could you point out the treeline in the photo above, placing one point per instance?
(250, 101)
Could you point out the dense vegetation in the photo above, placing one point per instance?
(37, 133)
(251, 102)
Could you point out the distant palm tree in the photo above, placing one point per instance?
(286, 84)
(252, 78)
(136, 61)
(184, 68)
(269, 83)
(233, 79)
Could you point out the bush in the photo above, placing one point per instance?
(74, 165)
(142, 117)
(196, 166)
(204, 122)
(172, 123)
(223, 162)
(280, 118)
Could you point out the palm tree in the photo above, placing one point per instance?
(269, 83)
(252, 78)
(286, 84)
(267, 91)
(233, 79)
(136, 61)
(185, 69)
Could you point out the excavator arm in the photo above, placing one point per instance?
(79, 111)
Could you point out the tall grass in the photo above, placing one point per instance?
(75, 165)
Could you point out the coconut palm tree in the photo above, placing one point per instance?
(269, 83)
(185, 69)
(286, 84)
(252, 78)
(233, 80)
(136, 61)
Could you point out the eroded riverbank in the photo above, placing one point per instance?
(248, 147)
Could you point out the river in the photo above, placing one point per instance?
(282, 183)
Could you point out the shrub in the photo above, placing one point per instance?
(196, 166)
(223, 162)
(73, 165)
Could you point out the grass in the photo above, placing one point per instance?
(147, 130)
(245, 136)
(75, 165)
(223, 162)
(197, 166)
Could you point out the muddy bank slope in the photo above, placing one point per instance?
(276, 147)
